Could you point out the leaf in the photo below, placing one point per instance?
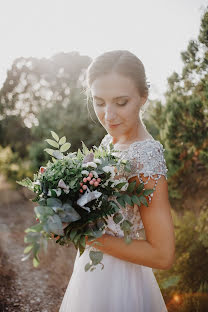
(127, 239)
(58, 154)
(85, 150)
(125, 225)
(121, 202)
(70, 213)
(26, 183)
(52, 143)
(143, 201)
(83, 241)
(148, 192)
(62, 140)
(117, 217)
(49, 151)
(54, 202)
(55, 136)
(36, 262)
(28, 248)
(140, 188)
(43, 211)
(73, 234)
(120, 185)
(95, 256)
(127, 199)
(35, 228)
(87, 266)
(135, 200)
(131, 187)
(55, 225)
(25, 257)
(77, 237)
(65, 147)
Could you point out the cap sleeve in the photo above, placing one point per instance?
(147, 159)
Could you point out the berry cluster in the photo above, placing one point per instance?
(91, 180)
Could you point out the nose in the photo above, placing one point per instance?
(110, 115)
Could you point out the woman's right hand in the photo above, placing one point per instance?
(64, 224)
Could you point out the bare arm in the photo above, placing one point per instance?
(158, 250)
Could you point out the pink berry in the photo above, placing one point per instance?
(81, 191)
(96, 183)
(81, 183)
(98, 179)
(91, 182)
(84, 187)
(84, 180)
(88, 178)
(91, 174)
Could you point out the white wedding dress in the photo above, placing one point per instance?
(121, 286)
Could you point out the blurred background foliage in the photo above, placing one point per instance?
(40, 95)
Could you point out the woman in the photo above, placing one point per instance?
(118, 87)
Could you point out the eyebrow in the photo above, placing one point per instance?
(116, 98)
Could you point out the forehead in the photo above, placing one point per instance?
(113, 85)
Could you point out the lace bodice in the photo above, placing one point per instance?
(146, 157)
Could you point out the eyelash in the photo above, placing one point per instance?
(123, 104)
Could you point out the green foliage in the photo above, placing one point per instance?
(189, 271)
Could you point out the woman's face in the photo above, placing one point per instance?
(116, 102)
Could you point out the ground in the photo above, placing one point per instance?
(24, 288)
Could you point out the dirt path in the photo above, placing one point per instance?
(22, 287)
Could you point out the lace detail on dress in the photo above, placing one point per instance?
(146, 157)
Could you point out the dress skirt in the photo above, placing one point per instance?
(121, 286)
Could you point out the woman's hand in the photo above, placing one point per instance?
(64, 224)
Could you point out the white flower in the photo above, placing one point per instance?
(89, 164)
(37, 183)
(85, 172)
(95, 175)
(109, 169)
(98, 161)
(58, 192)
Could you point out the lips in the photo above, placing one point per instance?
(113, 126)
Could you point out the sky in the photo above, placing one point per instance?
(156, 31)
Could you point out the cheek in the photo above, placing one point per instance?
(99, 113)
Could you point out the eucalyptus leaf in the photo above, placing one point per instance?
(87, 266)
(54, 202)
(55, 225)
(35, 228)
(70, 214)
(43, 210)
(95, 256)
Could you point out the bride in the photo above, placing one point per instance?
(117, 83)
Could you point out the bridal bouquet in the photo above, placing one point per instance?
(75, 193)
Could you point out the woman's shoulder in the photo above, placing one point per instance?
(148, 157)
